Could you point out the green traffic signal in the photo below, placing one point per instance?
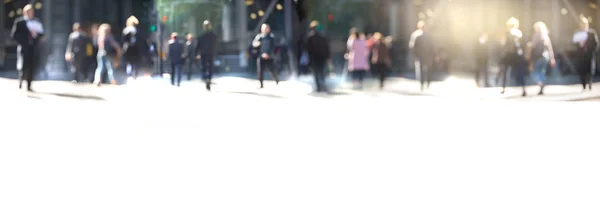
(153, 28)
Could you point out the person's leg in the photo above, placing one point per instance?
(361, 77)
(382, 74)
(173, 72)
(484, 69)
(21, 77)
(179, 68)
(504, 74)
(110, 70)
(417, 70)
(28, 68)
(99, 69)
(521, 73)
(259, 71)
(209, 71)
(271, 67)
(540, 67)
(318, 74)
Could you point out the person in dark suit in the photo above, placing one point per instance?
(265, 41)
(425, 55)
(176, 57)
(27, 31)
(319, 54)
(587, 43)
(79, 51)
(190, 56)
(206, 51)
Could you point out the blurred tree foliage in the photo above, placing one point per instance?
(178, 13)
(346, 14)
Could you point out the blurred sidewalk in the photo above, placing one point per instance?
(466, 88)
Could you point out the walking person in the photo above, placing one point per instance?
(513, 57)
(265, 41)
(319, 55)
(79, 50)
(587, 43)
(108, 54)
(380, 58)
(176, 57)
(411, 46)
(540, 54)
(425, 55)
(190, 56)
(92, 59)
(206, 52)
(358, 58)
(481, 60)
(27, 31)
(131, 47)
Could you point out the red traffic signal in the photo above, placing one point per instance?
(164, 19)
(330, 17)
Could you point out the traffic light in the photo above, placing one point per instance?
(164, 19)
(152, 28)
(330, 17)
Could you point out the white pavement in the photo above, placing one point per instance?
(149, 146)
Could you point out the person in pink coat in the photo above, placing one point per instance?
(358, 58)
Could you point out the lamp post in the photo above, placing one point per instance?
(289, 34)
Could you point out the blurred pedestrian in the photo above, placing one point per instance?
(206, 52)
(380, 58)
(27, 31)
(587, 43)
(424, 53)
(176, 56)
(131, 47)
(358, 58)
(190, 56)
(513, 58)
(319, 54)
(481, 60)
(108, 54)
(265, 41)
(541, 54)
(79, 50)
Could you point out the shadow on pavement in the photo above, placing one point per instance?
(410, 93)
(33, 97)
(74, 96)
(330, 94)
(531, 95)
(257, 94)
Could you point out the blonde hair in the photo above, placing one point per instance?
(104, 29)
(377, 36)
(512, 22)
(132, 21)
(420, 24)
(541, 27)
(583, 20)
(27, 7)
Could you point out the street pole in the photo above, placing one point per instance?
(242, 23)
(289, 36)
(159, 39)
(2, 38)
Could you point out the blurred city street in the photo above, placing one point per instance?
(150, 146)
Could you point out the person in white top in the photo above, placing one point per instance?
(411, 45)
